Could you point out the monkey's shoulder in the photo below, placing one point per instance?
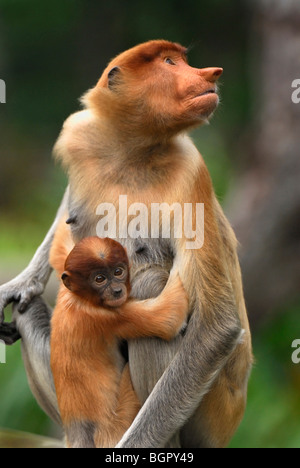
(80, 136)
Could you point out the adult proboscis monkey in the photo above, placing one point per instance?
(131, 140)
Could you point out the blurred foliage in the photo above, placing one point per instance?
(273, 410)
(16, 439)
(18, 408)
(50, 53)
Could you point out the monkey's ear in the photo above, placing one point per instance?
(66, 278)
(112, 76)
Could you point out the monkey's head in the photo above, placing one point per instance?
(153, 89)
(98, 270)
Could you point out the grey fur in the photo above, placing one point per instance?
(32, 281)
(34, 328)
(80, 434)
(85, 225)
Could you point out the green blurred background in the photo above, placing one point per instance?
(52, 52)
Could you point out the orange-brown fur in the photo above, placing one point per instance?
(129, 140)
(61, 247)
(90, 382)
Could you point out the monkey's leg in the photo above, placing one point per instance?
(155, 352)
(34, 328)
(31, 282)
(127, 408)
(218, 416)
(128, 402)
(80, 434)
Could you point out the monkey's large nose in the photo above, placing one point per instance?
(211, 74)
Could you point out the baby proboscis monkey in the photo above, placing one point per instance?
(94, 312)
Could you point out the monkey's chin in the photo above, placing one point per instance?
(114, 303)
(206, 105)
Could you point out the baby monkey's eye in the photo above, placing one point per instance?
(118, 272)
(100, 279)
(169, 61)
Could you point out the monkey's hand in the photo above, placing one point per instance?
(178, 303)
(9, 333)
(22, 289)
(32, 281)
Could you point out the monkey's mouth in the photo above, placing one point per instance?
(116, 302)
(205, 104)
(209, 91)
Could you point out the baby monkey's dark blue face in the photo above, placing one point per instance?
(110, 284)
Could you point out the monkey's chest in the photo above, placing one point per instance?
(144, 229)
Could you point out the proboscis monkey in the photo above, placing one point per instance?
(94, 312)
(131, 139)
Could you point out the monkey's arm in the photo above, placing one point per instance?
(61, 246)
(34, 328)
(162, 317)
(31, 282)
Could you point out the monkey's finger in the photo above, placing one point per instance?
(23, 306)
(24, 303)
(9, 333)
(34, 290)
(5, 300)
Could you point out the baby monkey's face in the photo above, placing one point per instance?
(110, 285)
(97, 270)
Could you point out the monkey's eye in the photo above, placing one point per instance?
(118, 272)
(100, 279)
(169, 61)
